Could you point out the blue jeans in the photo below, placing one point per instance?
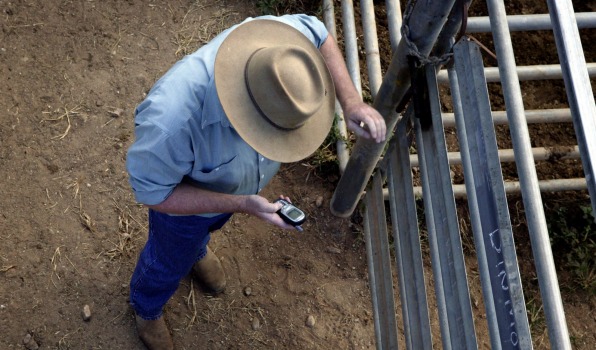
(174, 244)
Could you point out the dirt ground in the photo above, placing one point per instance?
(71, 231)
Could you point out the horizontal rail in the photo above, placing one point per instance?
(513, 187)
(535, 116)
(481, 24)
(525, 73)
(507, 155)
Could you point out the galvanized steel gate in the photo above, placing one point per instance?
(432, 25)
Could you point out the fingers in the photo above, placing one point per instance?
(358, 130)
(287, 199)
(375, 127)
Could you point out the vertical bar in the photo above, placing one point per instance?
(577, 83)
(489, 213)
(394, 22)
(350, 43)
(343, 153)
(371, 46)
(455, 312)
(379, 267)
(545, 266)
(407, 243)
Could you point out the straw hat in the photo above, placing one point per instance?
(275, 89)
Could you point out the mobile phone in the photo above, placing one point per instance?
(291, 214)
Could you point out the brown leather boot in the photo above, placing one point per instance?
(210, 272)
(154, 334)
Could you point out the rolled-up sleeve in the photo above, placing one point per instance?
(157, 162)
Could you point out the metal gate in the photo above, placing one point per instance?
(431, 28)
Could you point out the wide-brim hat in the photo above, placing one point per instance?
(275, 89)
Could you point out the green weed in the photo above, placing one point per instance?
(573, 239)
(279, 7)
(324, 160)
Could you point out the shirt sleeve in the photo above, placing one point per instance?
(310, 26)
(157, 162)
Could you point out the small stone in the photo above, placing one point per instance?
(99, 103)
(30, 343)
(319, 201)
(333, 250)
(86, 313)
(247, 291)
(256, 324)
(310, 321)
(117, 113)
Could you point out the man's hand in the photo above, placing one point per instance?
(265, 210)
(365, 121)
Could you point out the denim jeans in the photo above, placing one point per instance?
(174, 244)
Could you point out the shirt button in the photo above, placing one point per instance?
(262, 176)
(262, 159)
(216, 169)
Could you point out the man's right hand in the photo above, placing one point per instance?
(265, 210)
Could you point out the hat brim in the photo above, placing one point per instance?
(274, 143)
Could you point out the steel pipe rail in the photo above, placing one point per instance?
(508, 156)
(371, 46)
(341, 145)
(350, 42)
(516, 23)
(578, 87)
(525, 73)
(536, 116)
(545, 266)
(394, 26)
(514, 187)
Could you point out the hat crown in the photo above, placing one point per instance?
(285, 85)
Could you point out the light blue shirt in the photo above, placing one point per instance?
(183, 134)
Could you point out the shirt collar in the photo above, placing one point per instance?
(212, 109)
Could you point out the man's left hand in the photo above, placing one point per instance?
(365, 121)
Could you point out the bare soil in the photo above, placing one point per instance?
(70, 228)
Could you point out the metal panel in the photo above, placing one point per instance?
(379, 267)
(451, 287)
(493, 235)
(543, 257)
(407, 244)
(579, 89)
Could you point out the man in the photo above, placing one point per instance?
(212, 133)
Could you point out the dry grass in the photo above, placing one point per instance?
(56, 258)
(6, 268)
(191, 303)
(62, 116)
(200, 24)
(218, 315)
(128, 228)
